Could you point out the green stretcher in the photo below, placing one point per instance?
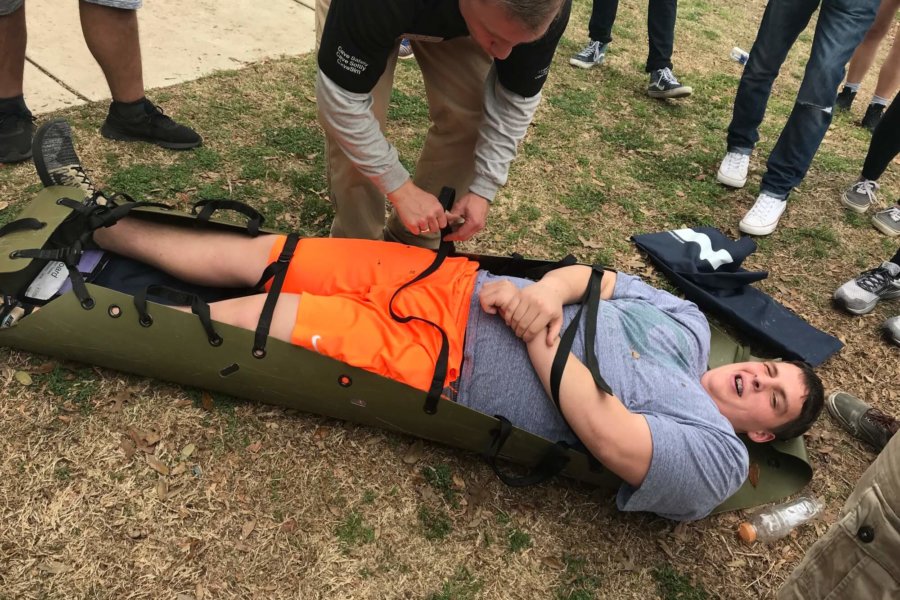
(172, 345)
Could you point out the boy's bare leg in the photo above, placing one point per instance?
(212, 258)
(244, 312)
(864, 55)
(889, 76)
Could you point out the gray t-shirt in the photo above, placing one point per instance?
(652, 348)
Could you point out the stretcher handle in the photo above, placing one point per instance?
(180, 298)
(550, 464)
(208, 207)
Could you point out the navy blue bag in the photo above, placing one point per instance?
(706, 265)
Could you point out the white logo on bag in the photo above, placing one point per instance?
(315, 342)
(716, 258)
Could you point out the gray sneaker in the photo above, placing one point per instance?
(860, 295)
(887, 221)
(664, 84)
(57, 162)
(860, 196)
(892, 329)
(861, 420)
(592, 55)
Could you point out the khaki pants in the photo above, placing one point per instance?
(859, 556)
(454, 72)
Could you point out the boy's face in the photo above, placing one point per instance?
(757, 397)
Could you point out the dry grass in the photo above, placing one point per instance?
(113, 486)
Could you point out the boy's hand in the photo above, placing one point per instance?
(529, 311)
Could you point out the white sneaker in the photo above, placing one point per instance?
(762, 218)
(733, 170)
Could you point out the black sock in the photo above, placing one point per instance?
(896, 259)
(129, 109)
(14, 104)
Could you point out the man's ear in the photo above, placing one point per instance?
(761, 437)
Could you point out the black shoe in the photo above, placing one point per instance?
(844, 99)
(16, 129)
(873, 116)
(861, 420)
(143, 121)
(664, 84)
(57, 162)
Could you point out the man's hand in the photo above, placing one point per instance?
(473, 209)
(529, 312)
(418, 210)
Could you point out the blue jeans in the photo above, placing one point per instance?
(841, 27)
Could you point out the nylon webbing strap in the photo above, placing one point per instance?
(27, 224)
(180, 298)
(591, 302)
(436, 388)
(208, 207)
(551, 463)
(278, 270)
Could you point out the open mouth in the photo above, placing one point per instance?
(739, 385)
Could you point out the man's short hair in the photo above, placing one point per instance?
(531, 13)
(812, 404)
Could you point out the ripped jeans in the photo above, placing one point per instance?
(840, 28)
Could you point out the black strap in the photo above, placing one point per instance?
(278, 270)
(553, 461)
(592, 302)
(445, 249)
(181, 298)
(254, 217)
(27, 224)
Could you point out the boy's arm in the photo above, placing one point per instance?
(618, 438)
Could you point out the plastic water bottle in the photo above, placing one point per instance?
(777, 521)
(740, 56)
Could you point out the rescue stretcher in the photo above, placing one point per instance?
(127, 332)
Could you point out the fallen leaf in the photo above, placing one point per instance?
(23, 378)
(188, 450)
(118, 401)
(553, 563)
(127, 447)
(680, 194)
(414, 453)
(594, 245)
(65, 418)
(53, 567)
(178, 469)
(458, 482)
(753, 475)
(157, 465)
(162, 489)
(255, 447)
(206, 401)
(738, 562)
(288, 526)
(320, 434)
(247, 529)
(3, 205)
(826, 450)
(43, 368)
(334, 510)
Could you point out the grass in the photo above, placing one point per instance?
(353, 531)
(674, 586)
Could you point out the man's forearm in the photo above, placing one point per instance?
(571, 282)
(348, 118)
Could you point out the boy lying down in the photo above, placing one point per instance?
(669, 429)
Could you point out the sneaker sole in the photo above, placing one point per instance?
(585, 65)
(866, 308)
(754, 230)
(39, 164)
(730, 181)
(854, 207)
(885, 229)
(682, 92)
(111, 134)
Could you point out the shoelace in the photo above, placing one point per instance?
(893, 213)
(76, 177)
(591, 50)
(866, 187)
(879, 419)
(874, 279)
(763, 206)
(668, 76)
(735, 160)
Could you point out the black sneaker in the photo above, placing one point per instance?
(11, 311)
(143, 121)
(861, 420)
(16, 129)
(57, 162)
(844, 99)
(664, 84)
(873, 116)
(592, 55)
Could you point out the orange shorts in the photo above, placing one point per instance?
(346, 286)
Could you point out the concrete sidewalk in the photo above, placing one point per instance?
(180, 41)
